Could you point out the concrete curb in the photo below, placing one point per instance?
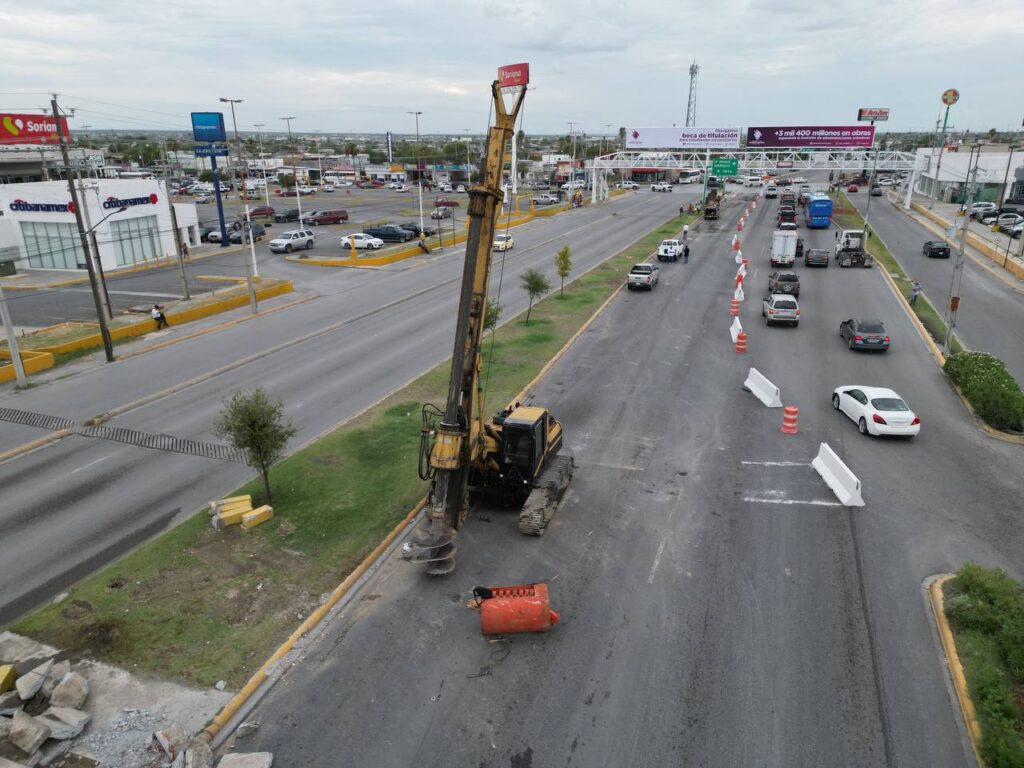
(38, 443)
(956, 670)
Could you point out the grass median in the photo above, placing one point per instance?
(848, 217)
(200, 605)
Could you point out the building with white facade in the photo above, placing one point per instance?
(38, 227)
(998, 172)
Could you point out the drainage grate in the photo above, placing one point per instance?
(168, 443)
(29, 419)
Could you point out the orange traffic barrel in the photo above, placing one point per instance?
(734, 307)
(739, 225)
(789, 419)
(512, 610)
(741, 341)
(735, 243)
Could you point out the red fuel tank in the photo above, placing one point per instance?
(512, 610)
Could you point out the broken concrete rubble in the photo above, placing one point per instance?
(63, 722)
(71, 691)
(247, 760)
(27, 733)
(56, 674)
(28, 685)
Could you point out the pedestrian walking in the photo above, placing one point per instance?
(184, 250)
(686, 254)
(158, 314)
(686, 231)
(915, 291)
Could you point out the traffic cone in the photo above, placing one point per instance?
(745, 261)
(753, 205)
(734, 308)
(789, 419)
(735, 243)
(739, 257)
(739, 225)
(741, 342)
(739, 279)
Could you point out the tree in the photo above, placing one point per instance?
(351, 149)
(563, 265)
(992, 133)
(286, 180)
(206, 176)
(534, 283)
(253, 423)
(492, 313)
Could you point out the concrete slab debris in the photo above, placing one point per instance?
(28, 685)
(248, 760)
(71, 691)
(28, 734)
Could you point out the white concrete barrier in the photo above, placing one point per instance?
(735, 329)
(739, 257)
(742, 271)
(838, 476)
(762, 389)
(738, 293)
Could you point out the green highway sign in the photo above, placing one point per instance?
(725, 166)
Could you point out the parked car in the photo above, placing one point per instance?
(876, 410)
(262, 212)
(779, 308)
(415, 229)
(258, 232)
(288, 214)
(362, 241)
(401, 188)
(661, 186)
(441, 213)
(936, 249)
(1006, 220)
(885, 182)
(461, 188)
(1013, 231)
(864, 334)
(305, 189)
(390, 233)
(816, 257)
(204, 233)
(446, 202)
(292, 240)
(784, 282)
(852, 188)
(444, 187)
(642, 276)
(328, 216)
(980, 210)
(201, 198)
(327, 187)
(503, 242)
(545, 199)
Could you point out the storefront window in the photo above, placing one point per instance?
(50, 245)
(135, 240)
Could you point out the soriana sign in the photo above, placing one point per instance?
(827, 136)
(513, 75)
(30, 129)
(682, 138)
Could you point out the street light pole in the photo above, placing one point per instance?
(108, 344)
(572, 164)
(469, 166)
(263, 161)
(953, 300)
(247, 233)
(1006, 176)
(938, 166)
(295, 176)
(419, 172)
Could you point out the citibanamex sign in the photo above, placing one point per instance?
(121, 202)
(25, 207)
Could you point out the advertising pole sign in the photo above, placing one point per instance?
(950, 97)
(209, 126)
(868, 113)
(800, 136)
(391, 151)
(514, 75)
(30, 129)
(682, 138)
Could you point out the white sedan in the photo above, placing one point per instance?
(876, 410)
(503, 242)
(361, 240)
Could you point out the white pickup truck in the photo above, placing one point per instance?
(669, 250)
(661, 186)
(642, 276)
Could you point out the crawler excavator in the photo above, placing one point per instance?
(515, 454)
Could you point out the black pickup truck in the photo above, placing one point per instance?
(390, 233)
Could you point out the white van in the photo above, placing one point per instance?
(752, 181)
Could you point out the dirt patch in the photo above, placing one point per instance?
(286, 528)
(77, 609)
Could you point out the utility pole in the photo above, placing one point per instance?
(108, 344)
(247, 233)
(12, 342)
(295, 176)
(867, 208)
(572, 163)
(263, 161)
(953, 300)
(91, 230)
(419, 172)
(181, 259)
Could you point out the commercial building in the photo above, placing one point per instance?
(21, 164)
(38, 228)
(998, 173)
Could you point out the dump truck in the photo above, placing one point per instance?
(851, 248)
(712, 205)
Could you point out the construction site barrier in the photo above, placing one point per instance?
(761, 388)
(838, 477)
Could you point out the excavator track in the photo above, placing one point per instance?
(543, 500)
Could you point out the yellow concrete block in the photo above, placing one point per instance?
(7, 676)
(218, 504)
(234, 516)
(257, 516)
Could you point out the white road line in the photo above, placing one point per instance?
(90, 464)
(812, 502)
(657, 559)
(778, 463)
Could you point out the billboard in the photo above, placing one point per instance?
(798, 136)
(682, 138)
(30, 129)
(391, 150)
(513, 75)
(868, 113)
(208, 126)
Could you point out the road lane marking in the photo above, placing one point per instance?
(657, 560)
(131, 293)
(777, 463)
(812, 502)
(90, 464)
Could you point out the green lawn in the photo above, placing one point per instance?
(200, 605)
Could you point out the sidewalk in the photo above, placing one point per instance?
(982, 243)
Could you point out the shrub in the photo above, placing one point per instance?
(989, 387)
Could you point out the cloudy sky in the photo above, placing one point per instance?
(344, 66)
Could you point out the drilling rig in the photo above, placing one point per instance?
(515, 454)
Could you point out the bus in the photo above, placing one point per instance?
(818, 211)
(691, 176)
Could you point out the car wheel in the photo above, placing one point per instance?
(288, 248)
(835, 401)
(862, 426)
(851, 343)
(767, 321)
(309, 244)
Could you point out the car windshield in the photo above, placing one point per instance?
(888, 404)
(785, 304)
(641, 269)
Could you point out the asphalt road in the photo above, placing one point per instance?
(717, 607)
(76, 503)
(991, 310)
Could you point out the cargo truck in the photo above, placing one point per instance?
(783, 249)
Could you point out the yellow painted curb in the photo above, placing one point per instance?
(310, 623)
(982, 247)
(32, 360)
(956, 670)
(38, 443)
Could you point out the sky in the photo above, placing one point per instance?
(359, 67)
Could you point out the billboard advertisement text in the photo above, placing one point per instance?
(30, 129)
(208, 126)
(682, 138)
(512, 75)
(792, 137)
